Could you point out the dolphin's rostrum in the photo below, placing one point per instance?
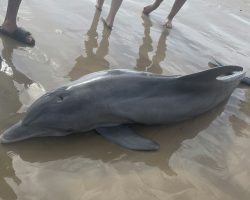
(108, 101)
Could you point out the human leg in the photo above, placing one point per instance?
(115, 5)
(175, 9)
(99, 4)
(9, 26)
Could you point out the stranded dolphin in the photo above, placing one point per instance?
(108, 101)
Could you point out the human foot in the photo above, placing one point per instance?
(168, 24)
(18, 34)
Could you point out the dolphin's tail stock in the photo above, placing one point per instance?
(216, 63)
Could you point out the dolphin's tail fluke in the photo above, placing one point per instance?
(216, 63)
(216, 74)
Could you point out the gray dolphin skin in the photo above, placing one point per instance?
(108, 101)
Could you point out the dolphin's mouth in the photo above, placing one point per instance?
(15, 133)
(3, 140)
(20, 132)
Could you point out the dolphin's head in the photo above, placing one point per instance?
(55, 109)
(48, 116)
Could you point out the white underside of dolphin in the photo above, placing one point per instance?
(108, 101)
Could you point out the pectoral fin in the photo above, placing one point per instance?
(126, 137)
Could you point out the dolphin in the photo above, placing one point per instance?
(108, 101)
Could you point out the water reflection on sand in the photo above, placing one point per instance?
(94, 58)
(203, 158)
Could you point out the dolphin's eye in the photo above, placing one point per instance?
(59, 99)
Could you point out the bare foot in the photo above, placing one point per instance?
(107, 23)
(168, 24)
(148, 9)
(99, 4)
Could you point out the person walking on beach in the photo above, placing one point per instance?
(175, 9)
(10, 28)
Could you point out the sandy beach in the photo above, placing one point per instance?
(204, 158)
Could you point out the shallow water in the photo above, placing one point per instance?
(204, 158)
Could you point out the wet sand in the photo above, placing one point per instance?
(203, 158)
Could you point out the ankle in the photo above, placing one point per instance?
(109, 21)
(99, 4)
(9, 26)
(157, 3)
(170, 18)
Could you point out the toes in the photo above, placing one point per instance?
(30, 40)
